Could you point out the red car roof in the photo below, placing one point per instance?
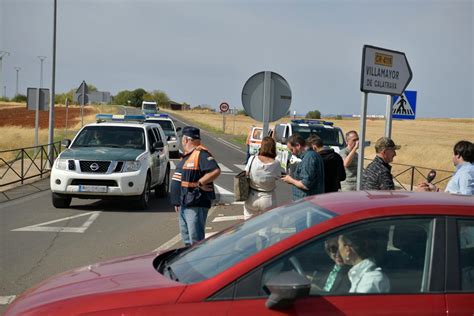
(351, 202)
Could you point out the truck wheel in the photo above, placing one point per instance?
(161, 190)
(61, 201)
(145, 196)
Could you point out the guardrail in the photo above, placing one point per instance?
(409, 176)
(19, 165)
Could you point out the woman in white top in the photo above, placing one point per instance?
(356, 250)
(263, 171)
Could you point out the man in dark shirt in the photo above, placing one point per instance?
(377, 175)
(334, 171)
(308, 177)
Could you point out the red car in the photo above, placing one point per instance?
(357, 253)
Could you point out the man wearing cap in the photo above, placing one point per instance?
(377, 175)
(192, 188)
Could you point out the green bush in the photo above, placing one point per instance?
(19, 98)
(313, 114)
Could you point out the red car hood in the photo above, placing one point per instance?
(130, 281)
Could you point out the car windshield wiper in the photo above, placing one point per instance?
(171, 273)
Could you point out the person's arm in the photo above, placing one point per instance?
(341, 171)
(350, 155)
(297, 183)
(466, 183)
(211, 171)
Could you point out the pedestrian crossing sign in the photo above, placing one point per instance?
(404, 106)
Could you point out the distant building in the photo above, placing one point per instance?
(175, 106)
(97, 97)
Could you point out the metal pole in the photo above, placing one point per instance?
(17, 71)
(267, 79)
(67, 109)
(388, 117)
(360, 160)
(51, 106)
(42, 58)
(3, 53)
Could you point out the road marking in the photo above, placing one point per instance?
(210, 234)
(227, 218)
(169, 243)
(40, 227)
(231, 145)
(241, 167)
(5, 300)
(172, 165)
(224, 168)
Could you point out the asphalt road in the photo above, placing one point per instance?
(38, 240)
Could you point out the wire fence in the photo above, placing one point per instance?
(22, 164)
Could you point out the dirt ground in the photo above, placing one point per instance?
(20, 116)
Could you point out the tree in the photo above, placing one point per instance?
(136, 97)
(313, 114)
(122, 97)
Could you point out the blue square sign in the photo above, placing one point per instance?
(404, 106)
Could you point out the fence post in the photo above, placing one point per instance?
(41, 161)
(412, 177)
(22, 160)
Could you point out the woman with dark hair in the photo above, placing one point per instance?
(263, 171)
(357, 249)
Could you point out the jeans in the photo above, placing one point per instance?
(192, 223)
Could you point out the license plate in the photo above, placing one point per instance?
(93, 188)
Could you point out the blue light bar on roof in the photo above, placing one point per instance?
(157, 115)
(312, 121)
(119, 117)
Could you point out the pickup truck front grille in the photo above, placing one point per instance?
(109, 183)
(94, 166)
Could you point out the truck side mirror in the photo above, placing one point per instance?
(65, 143)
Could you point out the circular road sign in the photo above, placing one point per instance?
(224, 107)
(279, 97)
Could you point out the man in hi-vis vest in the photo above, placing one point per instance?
(192, 189)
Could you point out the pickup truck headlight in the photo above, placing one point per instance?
(62, 164)
(131, 166)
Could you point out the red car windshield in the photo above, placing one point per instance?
(226, 249)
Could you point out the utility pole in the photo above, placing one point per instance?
(41, 58)
(3, 53)
(17, 71)
(53, 84)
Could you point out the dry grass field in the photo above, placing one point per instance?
(17, 131)
(426, 143)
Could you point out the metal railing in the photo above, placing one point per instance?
(19, 165)
(408, 176)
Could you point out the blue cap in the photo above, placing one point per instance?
(192, 132)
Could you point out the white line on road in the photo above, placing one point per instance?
(227, 218)
(241, 167)
(40, 227)
(5, 300)
(169, 243)
(224, 168)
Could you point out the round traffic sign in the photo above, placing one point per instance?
(266, 104)
(224, 107)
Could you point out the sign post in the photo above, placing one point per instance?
(384, 71)
(223, 107)
(266, 97)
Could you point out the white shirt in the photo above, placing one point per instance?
(462, 181)
(263, 176)
(366, 277)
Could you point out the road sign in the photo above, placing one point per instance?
(404, 106)
(83, 88)
(255, 97)
(32, 99)
(224, 107)
(384, 71)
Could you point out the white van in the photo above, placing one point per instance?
(149, 107)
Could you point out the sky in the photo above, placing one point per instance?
(202, 52)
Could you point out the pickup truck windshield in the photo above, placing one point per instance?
(330, 136)
(110, 136)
